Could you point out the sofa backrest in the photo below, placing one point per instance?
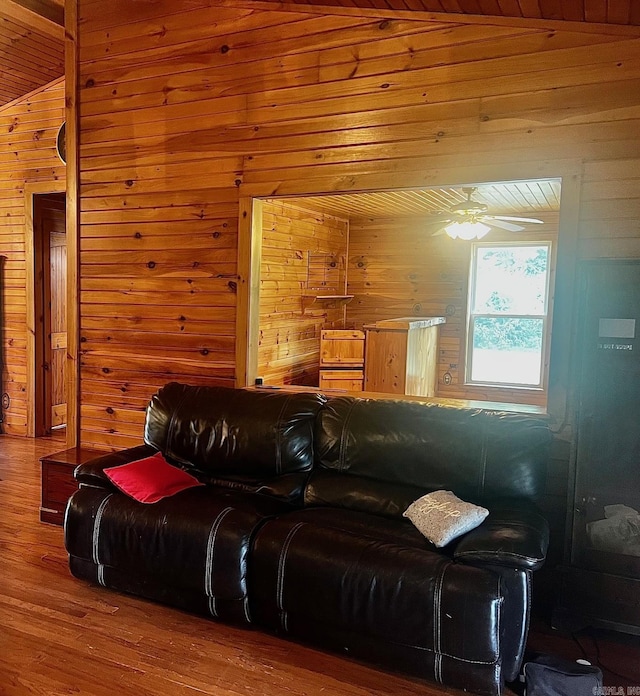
(379, 455)
(218, 432)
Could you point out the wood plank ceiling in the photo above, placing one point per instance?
(31, 46)
(521, 198)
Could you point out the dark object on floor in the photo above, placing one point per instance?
(550, 675)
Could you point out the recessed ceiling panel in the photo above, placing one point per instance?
(508, 198)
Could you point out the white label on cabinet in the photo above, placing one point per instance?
(617, 328)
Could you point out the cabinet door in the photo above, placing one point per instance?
(342, 380)
(386, 361)
(606, 518)
(341, 348)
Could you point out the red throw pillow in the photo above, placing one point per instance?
(151, 479)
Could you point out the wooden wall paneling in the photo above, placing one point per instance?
(303, 254)
(527, 66)
(118, 37)
(413, 173)
(456, 105)
(279, 33)
(28, 130)
(184, 82)
(159, 261)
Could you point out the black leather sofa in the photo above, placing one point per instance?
(299, 528)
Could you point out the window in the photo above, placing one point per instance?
(508, 306)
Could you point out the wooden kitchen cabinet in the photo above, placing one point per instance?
(341, 348)
(401, 356)
(344, 380)
(342, 359)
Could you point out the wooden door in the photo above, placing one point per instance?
(49, 221)
(58, 332)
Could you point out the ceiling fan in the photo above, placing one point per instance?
(470, 219)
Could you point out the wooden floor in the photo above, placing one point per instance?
(59, 635)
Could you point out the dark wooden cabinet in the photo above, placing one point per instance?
(601, 575)
(58, 484)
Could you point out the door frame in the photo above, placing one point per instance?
(35, 424)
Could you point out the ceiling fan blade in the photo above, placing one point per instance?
(510, 227)
(435, 224)
(517, 219)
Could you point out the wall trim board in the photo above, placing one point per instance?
(561, 374)
(72, 217)
(248, 308)
(569, 171)
(34, 385)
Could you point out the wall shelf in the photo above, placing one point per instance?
(328, 301)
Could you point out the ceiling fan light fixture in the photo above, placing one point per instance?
(467, 230)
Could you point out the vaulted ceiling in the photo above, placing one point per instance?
(31, 46)
(32, 31)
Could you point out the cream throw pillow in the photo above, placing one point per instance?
(441, 516)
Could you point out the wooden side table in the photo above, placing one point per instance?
(58, 484)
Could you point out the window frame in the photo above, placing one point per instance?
(546, 317)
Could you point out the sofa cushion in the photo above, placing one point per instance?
(195, 543)
(347, 581)
(481, 455)
(217, 431)
(330, 488)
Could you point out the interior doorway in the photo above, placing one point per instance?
(349, 260)
(49, 320)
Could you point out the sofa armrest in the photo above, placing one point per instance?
(513, 535)
(91, 473)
